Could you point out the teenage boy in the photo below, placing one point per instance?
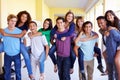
(11, 49)
(63, 51)
(88, 49)
(111, 39)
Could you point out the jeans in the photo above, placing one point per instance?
(112, 73)
(63, 64)
(81, 57)
(52, 55)
(81, 60)
(41, 63)
(7, 66)
(25, 54)
(72, 56)
(98, 52)
(53, 58)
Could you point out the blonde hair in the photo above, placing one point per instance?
(11, 16)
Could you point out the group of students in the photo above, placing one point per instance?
(67, 40)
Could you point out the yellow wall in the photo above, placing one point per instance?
(14, 6)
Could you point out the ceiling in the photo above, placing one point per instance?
(82, 4)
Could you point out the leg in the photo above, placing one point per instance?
(52, 55)
(26, 58)
(17, 62)
(98, 52)
(7, 67)
(66, 68)
(72, 59)
(34, 66)
(1, 47)
(90, 69)
(59, 64)
(110, 71)
(81, 64)
(41, 62)
(117, 63)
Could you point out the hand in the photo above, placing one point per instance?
(106, 33)
(63, 38)
(30, 34)
(95, 55)
(55, 35)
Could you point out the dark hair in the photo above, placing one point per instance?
(116, 19)
(69, 12)
(19, 17)
(32, 22)
(60, 18)
(50, 23)
(100, 17)
(85, 23)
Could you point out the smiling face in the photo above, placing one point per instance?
(12, 22)
(60, 24)
(23, 18)
(110, 17)
(33, 27)
(88, 28)
(69, 17)
(46, 24)
(102, 24)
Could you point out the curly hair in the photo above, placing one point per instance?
(19, 17)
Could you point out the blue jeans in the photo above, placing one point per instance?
(7, 66)
(81, 57)
(52, 55)
(63, 64)
(72, 56)
(53, 58)
(25, 54)
(41, 62)
(112, 73)
(98, 52)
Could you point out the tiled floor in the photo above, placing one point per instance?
(50, 75)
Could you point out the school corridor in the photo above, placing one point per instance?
(50, 75)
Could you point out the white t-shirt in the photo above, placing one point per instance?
(28, 41)
(37, 45)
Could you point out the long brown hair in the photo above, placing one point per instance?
(116, 19)
(69, 12)
(19, 17)
(77, 28)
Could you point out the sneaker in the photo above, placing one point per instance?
(71, 70)
(100, 68)
(83, 76)
(55, 68)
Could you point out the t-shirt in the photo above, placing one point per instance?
(87, 47)
(37, 46)
(24, 27)
(11, 44)
(46, 33)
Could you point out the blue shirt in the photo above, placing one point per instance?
(112, 42)
(88, 48)
(11, 44)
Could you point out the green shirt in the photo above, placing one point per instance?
(46, 33)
